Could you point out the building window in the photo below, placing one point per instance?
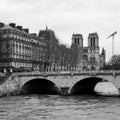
(92, 68)
(92, 59)
(3, 47)
(78, 40)
(84, 68)
(75, 40)
(94, 41)
(91, 41)
(85, 51)
(4, 36)
(85, 57)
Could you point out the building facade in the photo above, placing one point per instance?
(23, 50)
(89, 57)
(19, 48)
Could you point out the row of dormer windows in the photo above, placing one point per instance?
(22, 38)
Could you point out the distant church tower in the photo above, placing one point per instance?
(93, 51)
(77, 39)
(93, 40)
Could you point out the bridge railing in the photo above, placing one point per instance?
(100, 72)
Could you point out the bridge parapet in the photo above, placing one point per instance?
(70, 73)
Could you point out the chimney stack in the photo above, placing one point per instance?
(19, 28)
(1, 24)
(26, 30)
(13, 25)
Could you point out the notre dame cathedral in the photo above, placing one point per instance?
(89, 57)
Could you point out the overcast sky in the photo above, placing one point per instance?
(66, 17)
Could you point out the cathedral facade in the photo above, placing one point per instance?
(89, 57)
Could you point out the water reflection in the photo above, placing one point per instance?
(55, 107)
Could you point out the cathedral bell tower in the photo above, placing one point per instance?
(93, 51)
(77, 40)
(93, 40)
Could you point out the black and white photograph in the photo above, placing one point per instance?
(59, 59)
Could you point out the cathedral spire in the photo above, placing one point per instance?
(46, 25)
(103, 51)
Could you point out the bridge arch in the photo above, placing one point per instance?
(94, 85)
(39, 86)
(85, 86)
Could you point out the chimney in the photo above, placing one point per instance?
(26, 30)
(1, 24)
(13, 25)
(19, 28)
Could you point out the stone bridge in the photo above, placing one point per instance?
(71, 82)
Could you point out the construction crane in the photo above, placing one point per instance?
(112, 35)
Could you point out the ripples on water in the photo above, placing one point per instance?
(50, 107)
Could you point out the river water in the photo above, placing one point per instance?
(55, 107)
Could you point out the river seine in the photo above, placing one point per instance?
(55, 107)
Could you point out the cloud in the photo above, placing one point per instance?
(66, 17)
